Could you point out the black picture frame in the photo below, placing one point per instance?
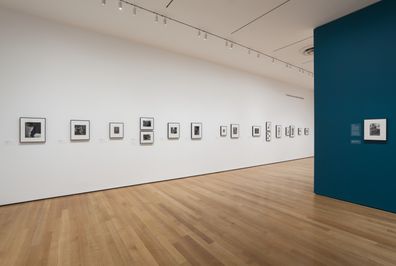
(145, 142)
(145, 127)
(194, 136)
(73, 136)
(22, 130)
(223, 131)
(111, 134)
(254, 133)
(234, 135)
(170, 135)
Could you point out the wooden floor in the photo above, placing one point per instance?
(259, 216)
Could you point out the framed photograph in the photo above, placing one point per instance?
(375, 129)
(116, 130)
(299, 131)
(292, 131)
(223, 131)
(32, 130)
(268, 126)
(196, 130)
(146, 123)
(306, 131)
(278, 131)
(287, 131)
(173, 130)
(146, 137)
(268, 136)
(234, 131)
(256, 131)
(79, 130)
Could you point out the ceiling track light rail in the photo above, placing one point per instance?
(206, 34)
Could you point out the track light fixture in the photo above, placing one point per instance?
(228, 43)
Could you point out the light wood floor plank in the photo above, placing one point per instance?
(266, 215)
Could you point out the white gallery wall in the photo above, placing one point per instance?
(61, 72)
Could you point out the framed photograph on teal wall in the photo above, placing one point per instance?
(375, 129)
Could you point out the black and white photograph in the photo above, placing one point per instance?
(79, 130)
(268, 126)
(196, 130)
(278, 131)
(116, 130)
(234, 131)
(306, 131)
(292, 131)
(375, 129)
(299, 131)
(223, 131)
(173, 130)
(32, 130)
(146, 123)
(268, 136)
(256, 131)
(146, 137)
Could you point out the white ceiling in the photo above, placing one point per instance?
(281, 32)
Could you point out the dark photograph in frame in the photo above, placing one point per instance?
(146, 123)
(375, 129)
(196, 130)
(223, 131)
(146, 137)
(80, 130)
(256, 131)
(116, 130)
(234, 131)
(173, 130)
(32, 130)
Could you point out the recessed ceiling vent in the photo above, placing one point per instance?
(308, 51)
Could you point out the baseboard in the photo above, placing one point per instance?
(159, 181)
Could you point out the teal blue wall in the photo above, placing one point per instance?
(355, 79)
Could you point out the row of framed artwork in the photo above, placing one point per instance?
(33, 130)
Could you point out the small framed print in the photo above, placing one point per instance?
(278, 131)
(223, 131)
(146, 137)
(256, 131)
(79, 130)
(234, 131)
(268, 126)
(292, 131)
(299, 131)
(196, 130)
(268, 136)
(287, 131)
(375, 129)
(146, 123)
(306, 131)
(32, 130)
(173, 130)
(116, 130)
